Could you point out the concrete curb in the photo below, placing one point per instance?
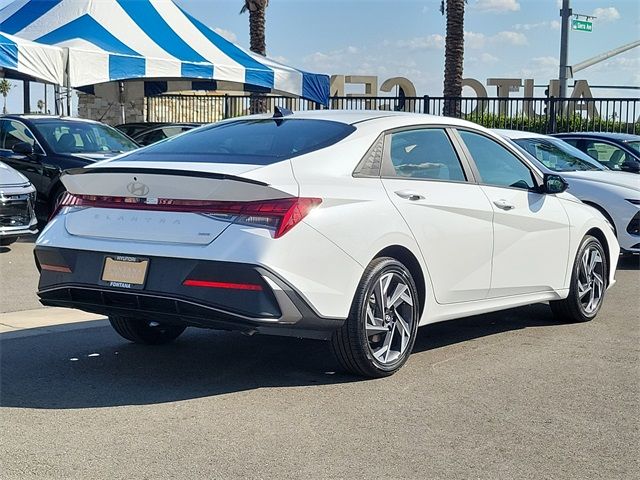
(46, 320)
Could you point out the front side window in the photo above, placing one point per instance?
(15, 132)
(497, 165)
(635, 146)
(426, 154)
(609, 155)
(65, 136)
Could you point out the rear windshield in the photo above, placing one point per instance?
(256, 142)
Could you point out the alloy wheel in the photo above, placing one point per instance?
(389, 318)
(591, 276)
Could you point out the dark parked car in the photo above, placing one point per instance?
(41, 147)
(617, 151)
(160, 132)
(133, 128)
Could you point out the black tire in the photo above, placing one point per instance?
(572, 309)
(145, 332)
(5, 242)
(351, 344)
(55, 198)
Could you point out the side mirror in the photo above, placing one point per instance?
(630, 166)
(554, 184)
(23, 148)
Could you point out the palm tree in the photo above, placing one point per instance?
(5, 88)
(257, 42)
(453, 54)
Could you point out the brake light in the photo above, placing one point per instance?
(226, 285)
(279, 215)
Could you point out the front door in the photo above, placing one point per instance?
(11, 133)
(531, 232)
(450, 217)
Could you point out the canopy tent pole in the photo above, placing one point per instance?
(56, 99)
(121, 98)
(26, 96)
(67, 82)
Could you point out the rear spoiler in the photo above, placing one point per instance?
(161, 171)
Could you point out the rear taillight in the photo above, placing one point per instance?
(279, 215)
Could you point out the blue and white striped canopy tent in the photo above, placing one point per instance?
(33, 60)
(111, 40)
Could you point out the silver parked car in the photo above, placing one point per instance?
(17, 200)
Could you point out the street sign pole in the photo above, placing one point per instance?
(565, 15)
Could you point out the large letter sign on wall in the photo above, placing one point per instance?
(481, 92)
(504, 88)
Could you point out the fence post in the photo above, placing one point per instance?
(552, 124)
(426, 108)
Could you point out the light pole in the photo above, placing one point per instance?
(565, 15)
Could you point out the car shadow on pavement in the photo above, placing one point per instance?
(93, 367)
(438, 335)
(629, 262)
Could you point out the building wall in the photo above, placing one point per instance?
(105, 104)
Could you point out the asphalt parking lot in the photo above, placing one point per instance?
(507, 395)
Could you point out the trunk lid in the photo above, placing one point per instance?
(153, 191)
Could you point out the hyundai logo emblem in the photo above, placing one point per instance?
(138, 189)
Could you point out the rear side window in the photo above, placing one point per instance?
(256, 142)
(426, 154)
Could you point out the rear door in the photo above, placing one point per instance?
(531, 229)
(447, 212)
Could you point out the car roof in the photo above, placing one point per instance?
(621, 137)
(46, 118)
(515, 134)
(353, 117)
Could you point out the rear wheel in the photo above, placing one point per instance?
(377, 338)
(588, 284)
(55, 198)
(145, 332)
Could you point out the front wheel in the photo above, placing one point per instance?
(145, 332)
(378, 336)
(588, 284)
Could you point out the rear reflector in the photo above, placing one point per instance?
(280, 215)
(55, 268)
(227, 285)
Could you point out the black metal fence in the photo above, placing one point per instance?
(543, 115)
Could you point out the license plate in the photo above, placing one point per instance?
(125, 272)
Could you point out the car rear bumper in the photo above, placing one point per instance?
(237, 296)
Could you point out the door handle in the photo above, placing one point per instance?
(409, 195)
(504, 205)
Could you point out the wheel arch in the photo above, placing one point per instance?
(603, 211)
(409, 260)
(51, 194)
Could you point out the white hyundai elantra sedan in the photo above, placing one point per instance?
(353, 227)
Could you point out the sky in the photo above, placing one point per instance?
(388, 38)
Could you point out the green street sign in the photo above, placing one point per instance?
(582, 25)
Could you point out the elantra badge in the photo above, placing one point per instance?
(138, 189)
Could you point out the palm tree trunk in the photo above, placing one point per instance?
(453, 57)
(258, 44)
